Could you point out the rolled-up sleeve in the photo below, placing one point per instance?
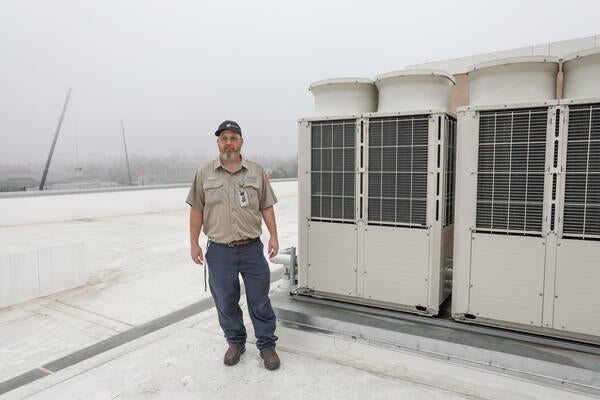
(195, 197)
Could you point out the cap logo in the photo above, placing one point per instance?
(228, 125)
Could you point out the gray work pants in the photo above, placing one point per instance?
(225, 264)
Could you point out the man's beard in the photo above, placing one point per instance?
(230, 156)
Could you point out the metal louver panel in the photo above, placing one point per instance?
(510, 179)
(582, 180)
(555, 166)
(397, 192)
(450, 171)
(333, 158)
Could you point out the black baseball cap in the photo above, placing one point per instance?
(228, 126)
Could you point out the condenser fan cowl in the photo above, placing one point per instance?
(410, 90)
(513, 80)
(344, 96)
(581, 71)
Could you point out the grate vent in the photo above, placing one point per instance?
(582, 179)
(333, 159)
(397, 191)
(511, 161)
(450, 171)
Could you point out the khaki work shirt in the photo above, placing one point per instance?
(216, 193)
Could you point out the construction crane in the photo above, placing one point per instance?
(62, 115)
(126, 155)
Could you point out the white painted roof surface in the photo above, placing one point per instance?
(141, 271)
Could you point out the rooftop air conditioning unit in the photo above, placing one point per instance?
(328, 165)
(577, 276)
(526, 203)
(379, 231)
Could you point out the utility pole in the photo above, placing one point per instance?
(62, 115)
(126, 156)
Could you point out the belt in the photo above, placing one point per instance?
(238, 242)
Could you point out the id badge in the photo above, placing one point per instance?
(243, 198)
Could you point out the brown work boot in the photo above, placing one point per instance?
(233, 353)
(271, 359)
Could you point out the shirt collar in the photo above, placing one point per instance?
(218, 163)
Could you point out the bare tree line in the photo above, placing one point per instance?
(145, 170)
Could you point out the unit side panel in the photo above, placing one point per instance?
(576, 306)
(304, 184)
(446, 262)
(436, 158)
(397, 265)
(332, 258)
(466, 202)
(507, 278)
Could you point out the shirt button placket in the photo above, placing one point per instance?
(234, 208)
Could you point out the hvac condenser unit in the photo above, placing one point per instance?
(376, 198)
(328, 164)
(528, 203)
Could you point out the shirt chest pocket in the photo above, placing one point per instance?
(213, 192)
(253, 191)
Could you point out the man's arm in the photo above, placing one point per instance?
(269, 217)
(195, 228)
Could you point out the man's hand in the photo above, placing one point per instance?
(269, 217)
(195, 229)
(196, 253)
(273, 247)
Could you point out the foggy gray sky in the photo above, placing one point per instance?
(174, 69)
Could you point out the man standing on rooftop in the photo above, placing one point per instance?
(229, 198)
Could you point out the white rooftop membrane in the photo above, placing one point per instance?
(140, 271)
